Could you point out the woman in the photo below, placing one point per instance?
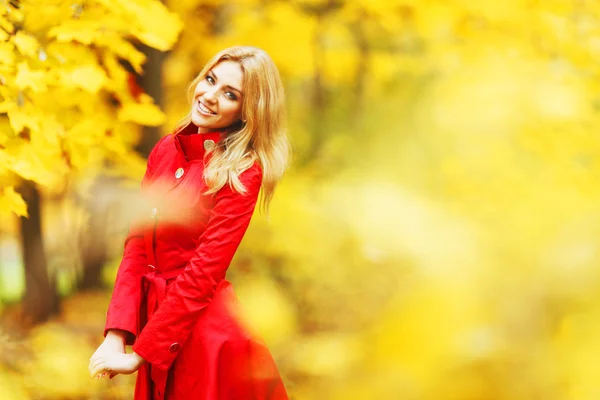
(171, 300)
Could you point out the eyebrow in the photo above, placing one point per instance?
(229, 86)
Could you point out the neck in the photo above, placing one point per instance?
(206, 130)
(236, 126)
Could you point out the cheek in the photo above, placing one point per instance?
(234, 110)
(200, 88)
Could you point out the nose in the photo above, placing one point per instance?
(209, 96)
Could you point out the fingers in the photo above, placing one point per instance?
(97, 366)
(94, 357)
(98, 357)
(109, 375)
(95, 371)
(110, 364)
(100, 365)
(100, 372)
(100, 352)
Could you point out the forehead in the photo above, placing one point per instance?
(229, 73)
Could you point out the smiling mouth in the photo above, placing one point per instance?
(205, 110)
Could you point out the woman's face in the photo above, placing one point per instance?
(217, 100)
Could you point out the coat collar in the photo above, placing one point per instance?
(193, 145)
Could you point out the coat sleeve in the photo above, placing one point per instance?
(171, 324)
(123, 309)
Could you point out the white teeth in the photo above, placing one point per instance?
(203, 108)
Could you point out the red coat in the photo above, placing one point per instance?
(171, 294)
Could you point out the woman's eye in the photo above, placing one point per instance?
(209, 79)
(230, 96)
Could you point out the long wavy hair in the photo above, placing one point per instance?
(261, 137)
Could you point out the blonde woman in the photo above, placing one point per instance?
(171, 300)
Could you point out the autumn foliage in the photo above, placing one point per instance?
(65, 91)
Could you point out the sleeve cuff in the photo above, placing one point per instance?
(162, 357)
(129, 338)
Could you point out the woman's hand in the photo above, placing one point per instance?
(114, 363)
(114, 342)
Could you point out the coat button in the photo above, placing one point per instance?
(179, 173)
(174, 348)
(209, 144)
(153, 213)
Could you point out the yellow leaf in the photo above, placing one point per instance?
(117, 75)
(6, 25)
(77, 31)
(123, 49)
(162, 39)
(42, 165)
(46, 15)
(7, 54)
(7, 133)
(11, 200)
(26, 44)
(5, 106)
(28, 78)
(21, 117)
(88, 77)
(153, 24)
(71, 52)
(142, 113)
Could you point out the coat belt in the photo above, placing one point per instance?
(155, 288)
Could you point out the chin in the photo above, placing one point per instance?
(198, 121)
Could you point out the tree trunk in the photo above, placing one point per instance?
(94, 255)
(94, 248)
(41, 297)
(151, 82)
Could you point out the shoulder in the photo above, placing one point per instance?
(246, 184)
(163, 142)
(161, 148)
(252, 176)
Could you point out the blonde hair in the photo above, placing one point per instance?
(262, 137)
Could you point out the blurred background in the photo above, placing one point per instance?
(436, 238)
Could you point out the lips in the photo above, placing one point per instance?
(203, 109)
